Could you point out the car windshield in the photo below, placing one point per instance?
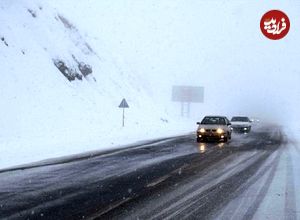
(243, 119)
(213, 121)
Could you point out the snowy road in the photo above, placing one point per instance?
(252, 176)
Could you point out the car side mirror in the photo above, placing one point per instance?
(229, 124)
(198, 123)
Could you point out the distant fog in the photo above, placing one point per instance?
(215, 44)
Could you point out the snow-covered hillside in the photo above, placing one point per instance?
(60, 96)
(215, 44)
(66, 66)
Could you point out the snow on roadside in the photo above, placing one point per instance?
(24, 151)
(46, 115)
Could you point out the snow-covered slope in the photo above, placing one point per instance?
(59, 95)
(66, 65)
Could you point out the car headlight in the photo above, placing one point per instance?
(201, 130)
(220, 131)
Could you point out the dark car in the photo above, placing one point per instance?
(241, 124)
(214, 128)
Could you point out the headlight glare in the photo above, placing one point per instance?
(220, 131)
(202, 130)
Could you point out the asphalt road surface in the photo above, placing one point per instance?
(174, 178)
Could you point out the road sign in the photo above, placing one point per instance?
(123, 105)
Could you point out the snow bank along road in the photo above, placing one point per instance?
(175, 178)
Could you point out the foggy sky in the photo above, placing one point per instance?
(215, 44)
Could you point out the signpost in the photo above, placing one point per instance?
(123, 105)
(187, 95)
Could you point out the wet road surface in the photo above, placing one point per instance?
(174, 178)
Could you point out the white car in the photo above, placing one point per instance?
(241, 124)
(214, 128)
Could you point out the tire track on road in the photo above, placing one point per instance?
(232, 187)
(210, 200)
(264, 190)
(190, 193)
(214, 196)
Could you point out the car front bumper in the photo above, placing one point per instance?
(241, 129)
(210, 136)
